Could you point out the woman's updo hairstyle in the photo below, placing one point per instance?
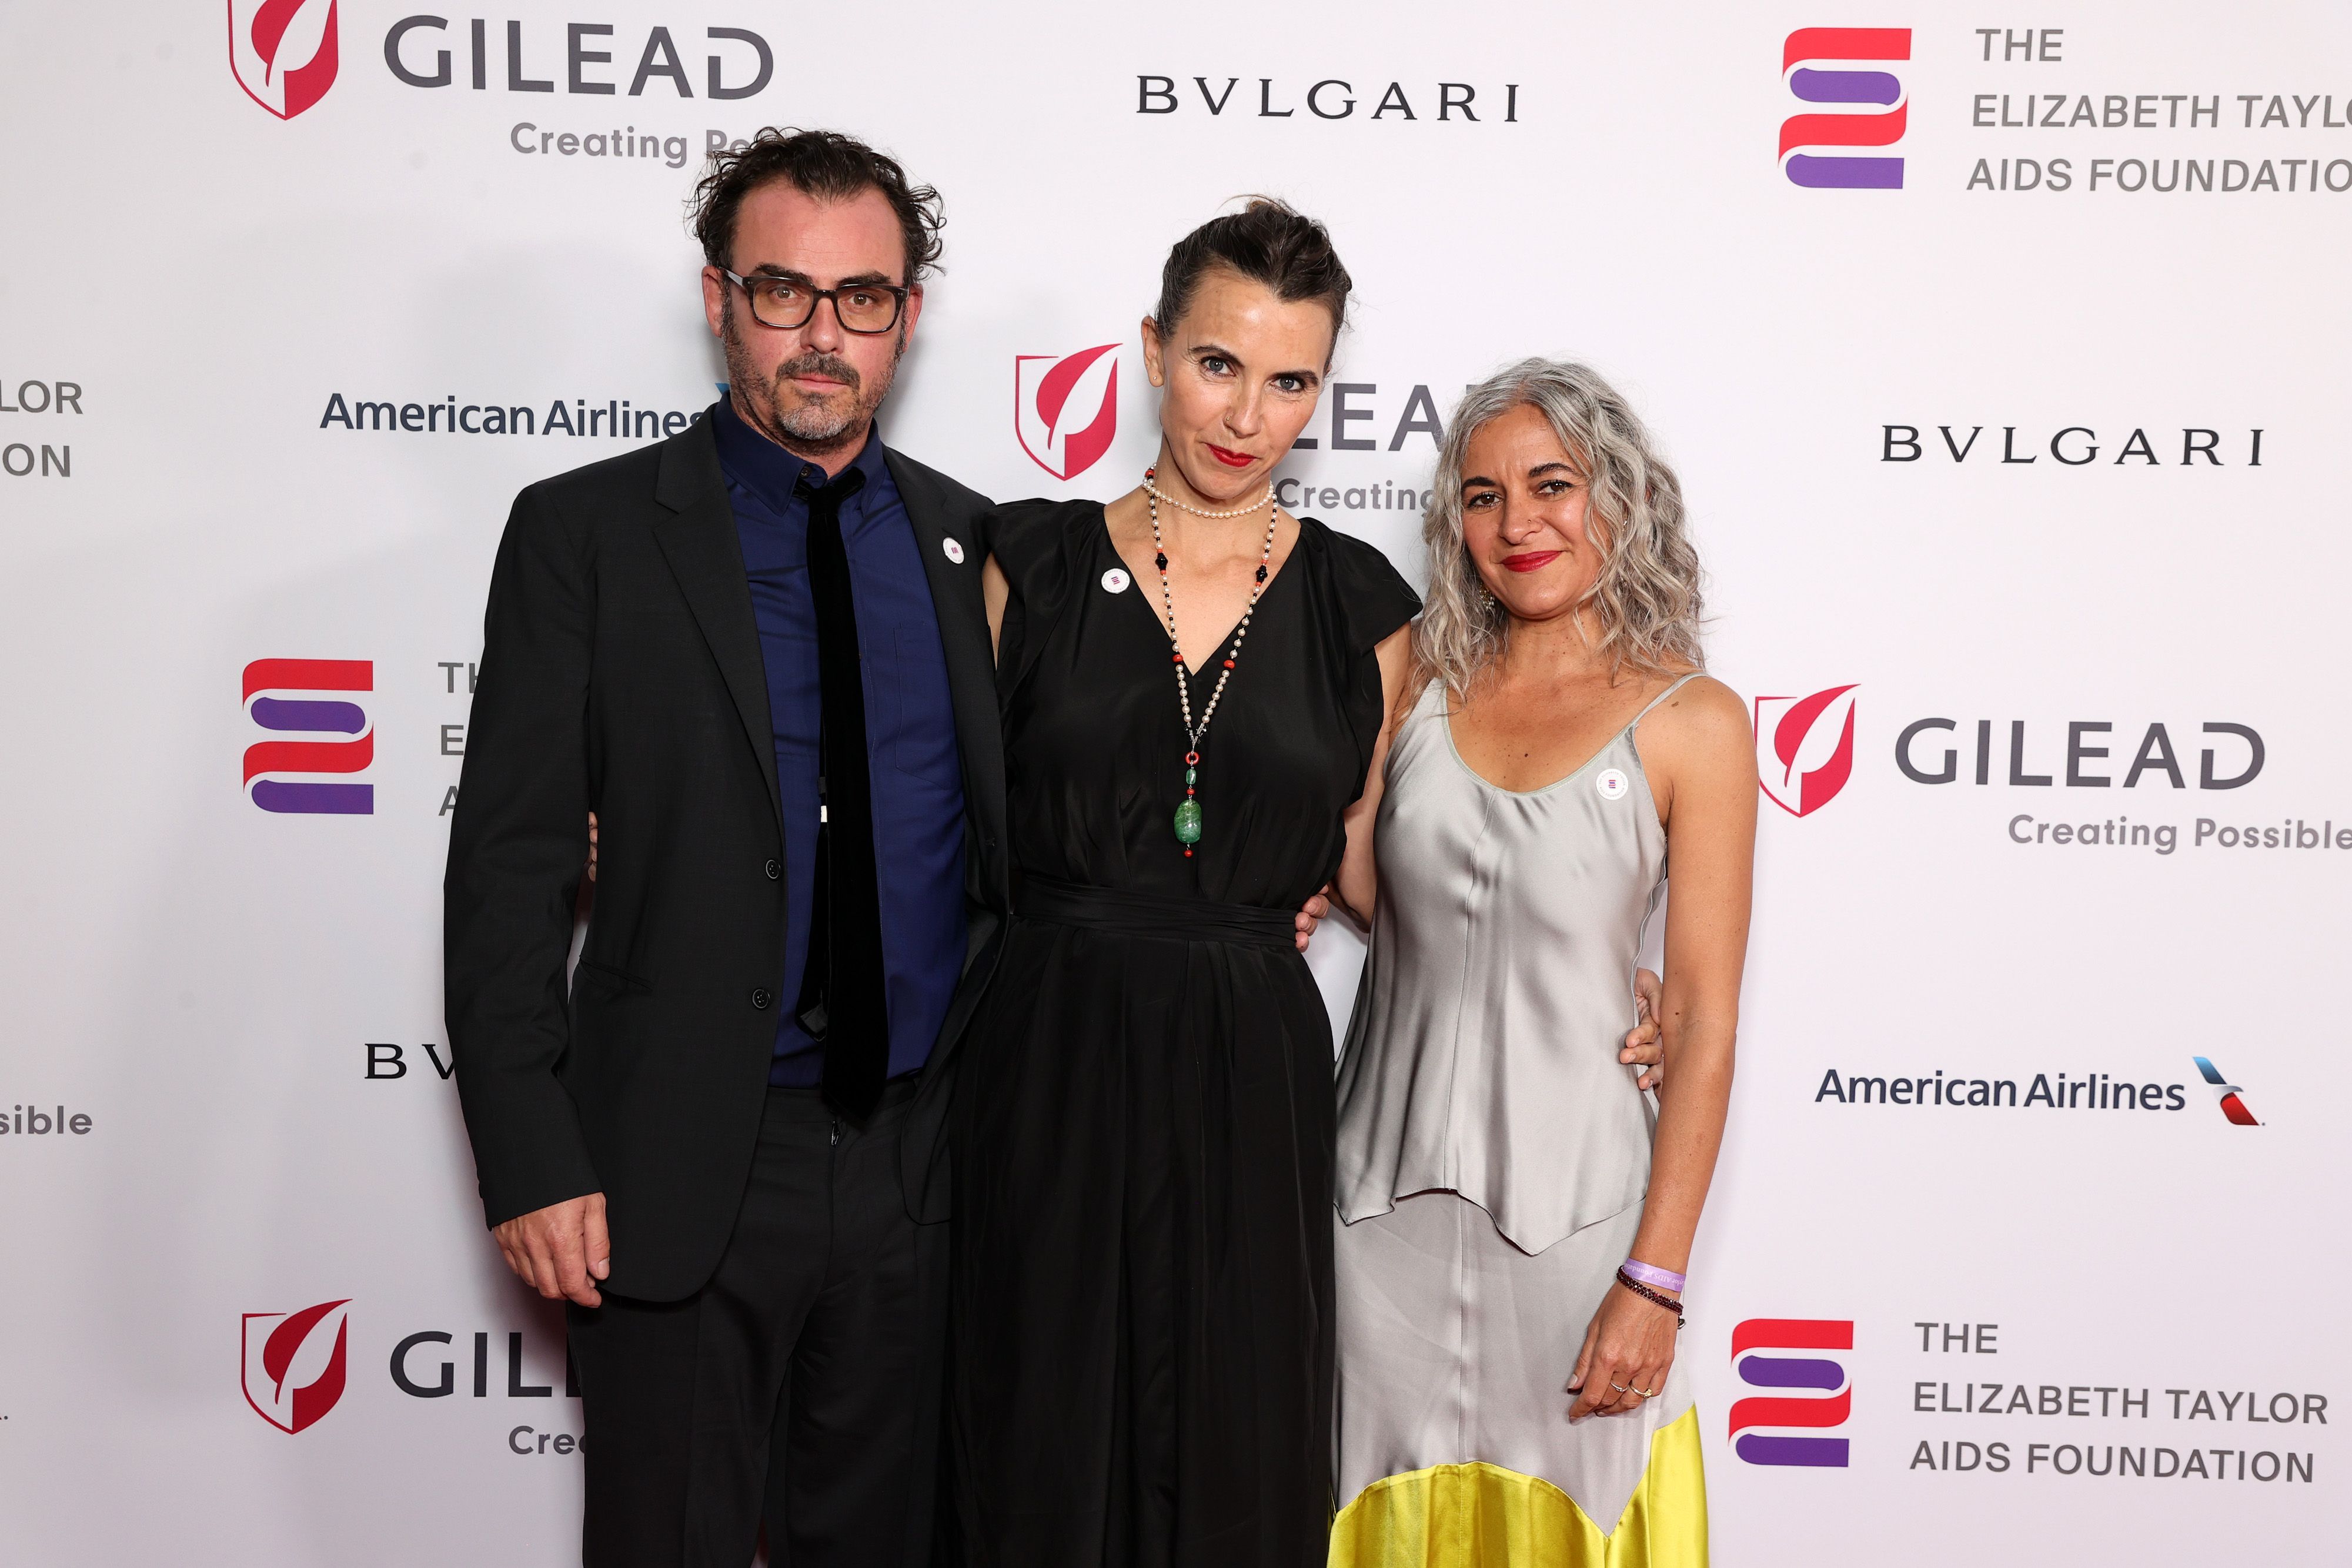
(1265, 242)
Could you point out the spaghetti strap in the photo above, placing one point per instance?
(1663, 696)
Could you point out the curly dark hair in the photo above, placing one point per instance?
(821, 163)
(1267, 242)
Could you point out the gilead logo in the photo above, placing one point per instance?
(1817, 64)
(1804, 748)
(1828, 1402)
(1065, 407)
(294, 1363)
(282, 52)
(264, 679)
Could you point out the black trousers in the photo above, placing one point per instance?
(800, 1386)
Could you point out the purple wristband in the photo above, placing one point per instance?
(1657, 1279)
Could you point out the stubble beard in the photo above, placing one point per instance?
(810, 427)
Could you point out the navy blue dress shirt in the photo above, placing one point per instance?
(910, 736)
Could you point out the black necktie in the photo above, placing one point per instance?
(842, 1004)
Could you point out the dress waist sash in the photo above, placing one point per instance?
(1150, 915)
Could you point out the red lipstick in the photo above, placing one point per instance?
(1532, 561)
(1230, 459)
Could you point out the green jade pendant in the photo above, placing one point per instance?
(1188, 815)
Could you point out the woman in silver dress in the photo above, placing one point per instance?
(1516, 1210)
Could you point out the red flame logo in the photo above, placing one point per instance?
(1065, 407)
(1804, 748)
(295, 1362)
(282, 52)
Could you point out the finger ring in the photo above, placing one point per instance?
(1647, 1393)
(1620, 1388)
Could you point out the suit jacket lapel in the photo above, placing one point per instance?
(707, 558)
(963, 637)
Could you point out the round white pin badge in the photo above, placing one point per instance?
(1115, 580)
(1612, 784)
(952, 550)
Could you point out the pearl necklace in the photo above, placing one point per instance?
(1156, 493)
(1188, 815)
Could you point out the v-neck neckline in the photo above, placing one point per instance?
(1136, 580)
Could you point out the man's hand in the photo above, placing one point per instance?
(1310, 915)
(561, 1250)
(592, 849)
(1642, 1047)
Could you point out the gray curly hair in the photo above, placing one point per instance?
(1646, 599)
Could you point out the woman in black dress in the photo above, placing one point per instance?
(1142, 1287)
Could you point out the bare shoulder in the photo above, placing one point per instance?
(1702, 721)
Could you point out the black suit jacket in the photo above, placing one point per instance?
(621, 673)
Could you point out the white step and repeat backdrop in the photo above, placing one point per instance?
(2001, 350)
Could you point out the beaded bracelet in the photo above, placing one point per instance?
(1652, 1297)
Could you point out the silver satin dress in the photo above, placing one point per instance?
(1493, 1152)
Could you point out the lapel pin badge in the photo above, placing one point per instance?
(952, 550)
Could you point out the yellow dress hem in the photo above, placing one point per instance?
(1481, 1515)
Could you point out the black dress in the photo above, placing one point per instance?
(1142, 1338)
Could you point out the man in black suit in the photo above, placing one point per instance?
(757, 653)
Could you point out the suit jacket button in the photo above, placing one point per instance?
(775, 870)
(762, 997)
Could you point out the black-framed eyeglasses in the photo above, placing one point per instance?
(865, 308)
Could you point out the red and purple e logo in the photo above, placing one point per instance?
(1827, 1403)
(268, 686)
(1819, 65)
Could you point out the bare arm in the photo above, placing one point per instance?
(1700, 747)
(1709, 758)
(1359, 880)
(994, 590)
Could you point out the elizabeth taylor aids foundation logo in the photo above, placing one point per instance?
(312, 697)
(1065, 407)
(294, 1363)
(1804, 748)
(282, 52)
(1807, 1391)
(1846, 66)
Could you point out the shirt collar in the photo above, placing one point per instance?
(767, 471)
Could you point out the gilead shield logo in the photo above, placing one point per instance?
(1804, 748)
(265, 680)
(294, 1363)
(1065, 407)
(283, 52)
(1828, 1401)
(1818, 64)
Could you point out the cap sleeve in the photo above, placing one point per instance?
(1368, 600)
(1032, 542)
(1374, 599)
